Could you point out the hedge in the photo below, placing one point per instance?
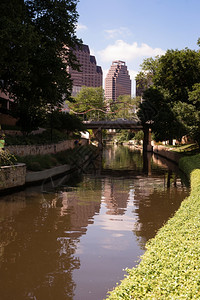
(170, 268)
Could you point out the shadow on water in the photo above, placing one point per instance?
(71, 238)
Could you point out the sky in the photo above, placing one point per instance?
(132, 30)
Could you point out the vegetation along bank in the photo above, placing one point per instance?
(170, 268)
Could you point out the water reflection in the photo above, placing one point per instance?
(73, 240)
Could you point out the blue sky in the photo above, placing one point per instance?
(131, 30)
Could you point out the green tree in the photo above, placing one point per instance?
(37, 38)
(124, 107)
(156, 112)
(91, 101)
(139, 137)
(177, 72)
(168, 103)
(150, 65)
(144, 79)
(64, 122)
(193, 117)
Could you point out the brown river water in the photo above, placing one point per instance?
(73, 237)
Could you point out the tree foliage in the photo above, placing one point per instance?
(64, 122)
(177, 72)
(89, 100)
(171, 105)
(124, 107)
(36, 41)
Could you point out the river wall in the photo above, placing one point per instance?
(167, 153)
(24, 150)
(12, 176)
(16, 176)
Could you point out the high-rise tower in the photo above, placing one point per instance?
(117, 81)
(90, 74)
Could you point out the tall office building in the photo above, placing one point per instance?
(91, 75)
(117, 81)
(143, 83)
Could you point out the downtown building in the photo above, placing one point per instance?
(90, 74)
(143, 83)
(117, 82)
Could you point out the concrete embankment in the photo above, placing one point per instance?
(33, 177)
(167, 153)
(16, 176)
(12, 177)
(39, 176)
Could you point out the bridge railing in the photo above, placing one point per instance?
(111, 112)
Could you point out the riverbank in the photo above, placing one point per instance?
(34, 169)
(170, 267)
(167, 152)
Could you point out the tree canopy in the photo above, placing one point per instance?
(124, 107)
(171, 105)
(177, 72)
(36, 42)
(90, 100)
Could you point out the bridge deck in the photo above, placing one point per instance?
(115, 124)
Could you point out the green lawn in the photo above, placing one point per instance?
(186, 149)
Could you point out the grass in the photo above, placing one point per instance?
(41, 162)
(170, 268)
(187, 149)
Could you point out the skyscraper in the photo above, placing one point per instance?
(90, 75)
(117, 81)
(143, 83)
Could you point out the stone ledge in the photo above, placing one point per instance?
(167, 153)
(32, 177)
(12, 176)
(24, 150)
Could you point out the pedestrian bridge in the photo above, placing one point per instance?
(114, 124)
(98, 126)
(97, 123)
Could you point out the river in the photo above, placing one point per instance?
(73, 237)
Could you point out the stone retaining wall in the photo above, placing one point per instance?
(167, 153)
(24, 150)
(12, 176)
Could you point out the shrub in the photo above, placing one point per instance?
(6, 158)
(45, 137)
(34, 166)
(41, 162)
(139, 137)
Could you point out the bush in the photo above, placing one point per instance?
(34, 166)
(139, 137)
(6, 158)
(41, 162)
(188, 164)
(47, 137)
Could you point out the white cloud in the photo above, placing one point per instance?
(81, 27)
(92, 52)
(105, 72)
(128, 52)
(132, 74)
(114, 33)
